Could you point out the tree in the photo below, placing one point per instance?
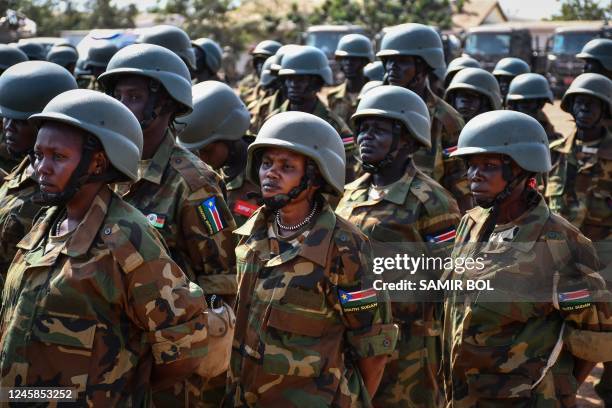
(582, 10)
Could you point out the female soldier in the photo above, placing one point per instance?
(92, 301)
(307, 332)
(533, 339)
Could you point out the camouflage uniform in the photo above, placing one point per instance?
(240, 204)
(522, 353)
(263, 108)
(412, 210)
(98, 308)
(342, 102)
(17, 211)
(171, 192)
(7, 163)
(295, 345)
(446, 124)
(246, 87)
(346, 134)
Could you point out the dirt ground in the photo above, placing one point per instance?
(587, 398)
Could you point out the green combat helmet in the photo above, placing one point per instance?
(514, 134)
(10, 56)
(400, 104)
(96, 58)
(599, 49)
(511, 66)
(592, 84)
(368, 87)
(266, 48)
(104, 117)
(415, 40)
(529, 86)
(35, 51)
(172, 38)
(155, 62)
(212, 53)
(280, 54)
(457, 65)
(26, 88)
(306, 60)
(305, 134)
(355, 45)
(218, 114)
(477, 80)
(63, 55)
(374, 71)
(267, 77)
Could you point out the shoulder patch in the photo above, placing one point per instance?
(573, 299)
(210, 215)
(357, 300)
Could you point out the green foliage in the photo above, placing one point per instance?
(582, 10)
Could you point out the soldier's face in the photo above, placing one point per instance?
(468, 103)
(587, 111)
(529, 107)
(400, 69)
(19, 136)
(57, 153)
(485, 177)
(133, 92)
(375, 139)
(300, 88)
(504, 84)
(280, 171)
(214, 154)
(352, 67)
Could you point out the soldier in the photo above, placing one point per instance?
(174, 39)
(457, 65)
(35, 51)
(506, 70)
(25, 89)
(259, 54)
(215, 132)
(64, 56)
(74, 312)
(579, 187)
(374, 71)
(91, 65)
(528, 93)
(179, 195)
(308, 333)
(208, 59)
(597, 56)
(532, 339)
(473, 91)
(396, 202)
(228, 65)
(353, 53)
(9, 56)
(304, 70)
(409, 55)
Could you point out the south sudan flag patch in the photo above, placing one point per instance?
(357, 301)
(574, 300)
(210, 215)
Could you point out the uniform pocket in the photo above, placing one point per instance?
(299, 344)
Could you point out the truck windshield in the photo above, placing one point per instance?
(488, 44)
(325, 41)
(570, 43)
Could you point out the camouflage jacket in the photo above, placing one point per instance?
(342, 102)
(516, 346)
(242, 207)
(296, 343)
(17, 211)
(100, 311)
(415, 210)
(246, 86)
(181, 197)
(580, 185)
(450, 172)
(346, 134)
(262, 108)
(7, 163)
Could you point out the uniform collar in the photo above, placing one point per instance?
(319, 110)
(20, 174)
(157, 166)
(314, 248)
(83, 236)
(235, 183)
(338, 92)
(397, 192)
